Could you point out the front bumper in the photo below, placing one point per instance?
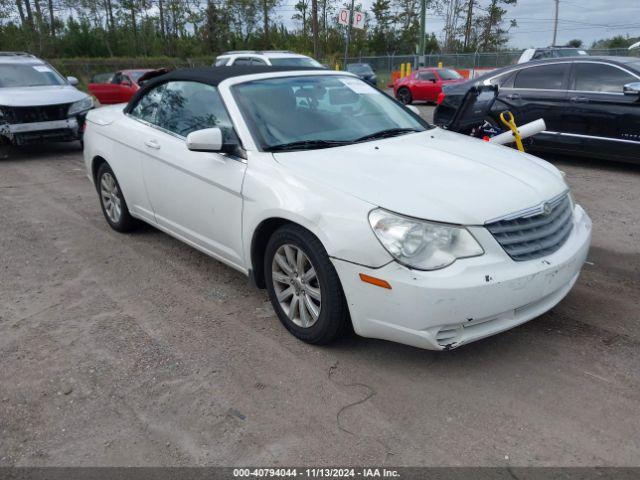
(68, 129)
(469, 300)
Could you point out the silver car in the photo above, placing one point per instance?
(37, 103)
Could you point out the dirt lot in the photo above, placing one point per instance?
(138, 350)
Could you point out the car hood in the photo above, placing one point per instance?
(433, 175)
(38, 96)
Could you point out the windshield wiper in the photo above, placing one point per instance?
(306, 145)
(390, 132)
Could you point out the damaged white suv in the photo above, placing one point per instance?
(37, 103)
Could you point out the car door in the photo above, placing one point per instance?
(126, 90)
(601, 114)
(195, 195)
(115, 88)
(537, 92)
(129, 148)
(426, 86)
(106, 93)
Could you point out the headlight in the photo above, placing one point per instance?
(80, 106)
(422, 245)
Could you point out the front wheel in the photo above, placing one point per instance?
(304, 287)
(404, 96)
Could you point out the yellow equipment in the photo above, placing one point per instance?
(510, 123)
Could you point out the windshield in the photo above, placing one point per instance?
(361, 68)
(446, 74)
(29, 76)
(294, 62)
(325, 109)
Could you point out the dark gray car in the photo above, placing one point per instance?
(591, 105)
(364, 71)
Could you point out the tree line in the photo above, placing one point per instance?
(191, 28)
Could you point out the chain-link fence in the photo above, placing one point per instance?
(388, 63)
(84, 69)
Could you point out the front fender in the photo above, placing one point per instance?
(339, 220)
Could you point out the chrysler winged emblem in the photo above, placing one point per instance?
(546, 209)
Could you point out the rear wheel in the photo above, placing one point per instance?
(404, 96)
(112, 201)
(303, 286)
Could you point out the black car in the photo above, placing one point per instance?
(591, 106)
(364, 71)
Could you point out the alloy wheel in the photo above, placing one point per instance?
(110, 197)
(404, 96)
(296, 285)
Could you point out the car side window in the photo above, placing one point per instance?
(117, 78)
(547, 77)
(426, 76)
(242, 61)
(221, 62)
(597, 77)
(257, 61)
(541, 55)
(190, 106)
(147, 107)
(505, 80)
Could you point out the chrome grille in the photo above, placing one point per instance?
(537, 233)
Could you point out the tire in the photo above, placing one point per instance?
(332, 314)
(114, 207)
(404, 96)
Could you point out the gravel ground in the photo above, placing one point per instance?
(138, 350)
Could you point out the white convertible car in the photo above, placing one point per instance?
(344, 204)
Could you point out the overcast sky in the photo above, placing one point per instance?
(587, 20)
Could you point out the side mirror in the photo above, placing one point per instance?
(211, 140)
(206, 140)
(432, 80)
(73, 81)
(414, 109)
(632, 89)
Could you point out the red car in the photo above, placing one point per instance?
(424, 84)
(116, 88)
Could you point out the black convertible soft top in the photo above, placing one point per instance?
(211, 75)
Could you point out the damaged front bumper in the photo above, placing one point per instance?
(469, 300)
(68, 129)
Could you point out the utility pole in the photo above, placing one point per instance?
(555, 23)
(423, 21)
(346, 45)
(314, 28)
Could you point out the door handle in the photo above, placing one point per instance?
(152, 144)
(579, 100)
(514, 96)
